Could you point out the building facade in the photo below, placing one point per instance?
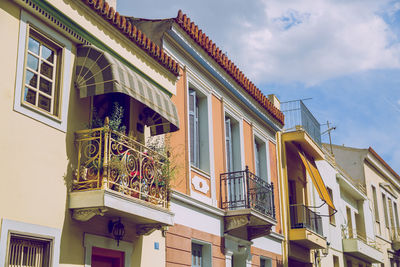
(382, 189)
(82, 90)
(225, 198)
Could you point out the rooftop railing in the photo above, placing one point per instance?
(245, 190)
(297, 114)
(111, 160)
(303, 217)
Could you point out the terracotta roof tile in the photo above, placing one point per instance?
(211, 48)
(108, 13)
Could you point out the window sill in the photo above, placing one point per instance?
(199, 171)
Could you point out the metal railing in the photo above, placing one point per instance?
(243, 189)
(111, 160)
(303, 217)
(395, 234)
(297, 114)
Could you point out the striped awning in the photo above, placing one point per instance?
(98, 72)
(316, 178)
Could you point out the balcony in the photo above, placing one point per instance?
(248, 202)
(120, 177)
(302, 128)
(358, 245)
(306, 227)
(395, 238)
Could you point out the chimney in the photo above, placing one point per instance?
(275, 101)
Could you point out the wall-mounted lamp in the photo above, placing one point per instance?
(117, 229)
(325, 251)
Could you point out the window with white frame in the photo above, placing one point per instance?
(265, 262)
(43, 77)
(42, 73)
(232, 144)
(201, 254)
(261, 158)
(25, 244)
(198, 130)
(385, 211)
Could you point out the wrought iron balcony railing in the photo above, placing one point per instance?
(297, 114)
(245, 190)
(303, 217)
(111, 160)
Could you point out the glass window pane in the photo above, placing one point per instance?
(45, 86)
(46, 70)
(33, 46)
(30, 96)
(47, 53)
(31, 79)
(44, 103)
(32, 62)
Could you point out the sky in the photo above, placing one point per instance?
(343, 54)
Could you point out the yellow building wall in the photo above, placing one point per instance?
(36, 160)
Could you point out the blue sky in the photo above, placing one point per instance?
(344, 54)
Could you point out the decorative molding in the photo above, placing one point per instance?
(235, 222)
(147, 229)
(39, 8)
(86, 214)
(200, 184)
(196, 203)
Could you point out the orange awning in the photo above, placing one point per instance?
(317, 179)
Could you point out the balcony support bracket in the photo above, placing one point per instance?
(147, 229)
(234, 222)
(87, 213)
(258, 231)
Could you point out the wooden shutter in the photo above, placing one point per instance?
(193, 128)
(228, 140)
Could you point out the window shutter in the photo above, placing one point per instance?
(25, 252)
(192, 126)
(228, 139)
(257, 158)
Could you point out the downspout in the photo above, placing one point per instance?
(284, 199)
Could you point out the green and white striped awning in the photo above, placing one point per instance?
(98, 72)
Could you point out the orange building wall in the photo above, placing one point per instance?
(274, 180)
(256, 253)
(248, 146)
(179, 140)
(178, 244)
(219, 143)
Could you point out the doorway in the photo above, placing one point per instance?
(102, 257)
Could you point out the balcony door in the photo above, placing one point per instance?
(236, 181)
(102, 257)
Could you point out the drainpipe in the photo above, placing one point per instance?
(284, 197)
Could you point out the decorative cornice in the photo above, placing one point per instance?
(216, 53)
(122, 24)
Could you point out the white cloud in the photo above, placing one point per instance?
(311, 41)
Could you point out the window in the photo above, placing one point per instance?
(25, 244)
(41, 72)
(232, 143)
(396, 215)
(260, 156)
(265, 262)
(27, 251)
(201, 254)
(198, 128)
(349, 222)
(385, 211)
(375, 203)
(335, 261)
(331, 211)
(43, 76)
